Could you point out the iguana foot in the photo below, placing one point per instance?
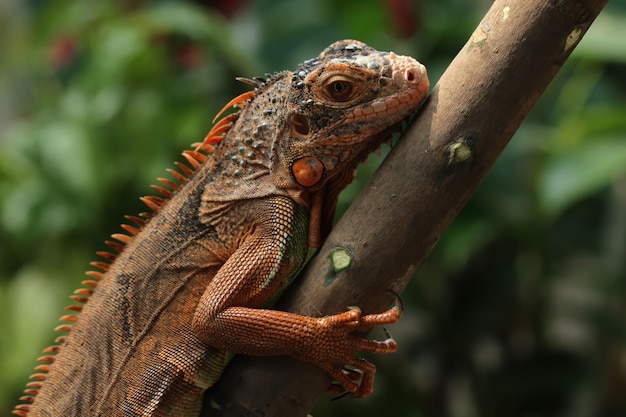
(335, 343)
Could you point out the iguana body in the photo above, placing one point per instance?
(192, 285)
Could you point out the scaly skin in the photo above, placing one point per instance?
(193, 285)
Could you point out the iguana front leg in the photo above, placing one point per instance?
(229, 316)
(328, 342)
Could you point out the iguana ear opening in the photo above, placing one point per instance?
(300, 124)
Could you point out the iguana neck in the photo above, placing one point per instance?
(249, 164)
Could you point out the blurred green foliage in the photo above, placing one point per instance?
(519, 311)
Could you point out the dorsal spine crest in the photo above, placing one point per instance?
(194, 157)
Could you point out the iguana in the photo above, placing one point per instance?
(190, 284)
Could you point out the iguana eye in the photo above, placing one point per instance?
(339, 89)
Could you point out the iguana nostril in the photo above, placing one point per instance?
(415, 74)
(409, 75)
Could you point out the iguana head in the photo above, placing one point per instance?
(341, 107)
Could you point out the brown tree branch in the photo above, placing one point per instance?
(471, 114)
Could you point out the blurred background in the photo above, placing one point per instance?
(520, 309)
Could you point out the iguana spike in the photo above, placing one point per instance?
(153, 203)
(52, 349)
(78, 299)
(179, 177)
(31, 391)
(130, 229)
(21, 410)
(68, 317)
(225, 121)
(122, 238)
(253, 82)
(74, 307)
(186, 170)
(100, 265)
(63, 328)
(42, 368)
(170, 184)
(27, 398)
(215, 135)
(190, 156)
(236, 102)
(106, 255)
(114, 245)
(204, 147)
(83, 291)
(165, 193)
(138, 221)
(219, 128)
(198, 155)
(94, 274)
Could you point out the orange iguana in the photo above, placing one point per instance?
(191, 283)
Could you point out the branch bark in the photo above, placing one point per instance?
(470, 116)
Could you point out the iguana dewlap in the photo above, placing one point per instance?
(191, 282)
